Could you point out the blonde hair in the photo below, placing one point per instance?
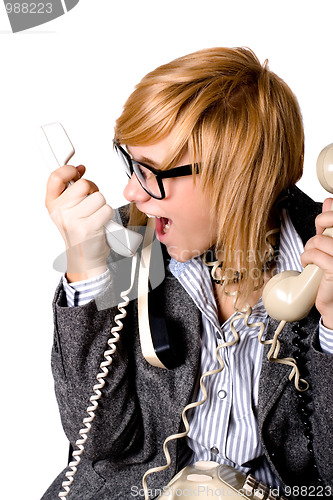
(241, 123)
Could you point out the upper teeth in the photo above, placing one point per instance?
(148, 215)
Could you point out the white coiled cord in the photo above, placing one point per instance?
(66, 485)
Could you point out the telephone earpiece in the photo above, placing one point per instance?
(325, 168)
(290, 295)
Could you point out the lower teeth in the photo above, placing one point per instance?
(166, 227)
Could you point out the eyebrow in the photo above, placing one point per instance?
(144, 159)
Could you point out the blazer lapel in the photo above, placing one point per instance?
(274, 376)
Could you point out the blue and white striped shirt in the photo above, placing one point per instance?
(224, 429)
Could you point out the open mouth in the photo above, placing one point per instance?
(162, 225)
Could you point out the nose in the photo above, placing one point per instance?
(134, 192)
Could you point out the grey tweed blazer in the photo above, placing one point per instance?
(141, 405)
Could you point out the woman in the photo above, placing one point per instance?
(229, 219)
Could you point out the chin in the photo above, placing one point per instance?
(182, 254)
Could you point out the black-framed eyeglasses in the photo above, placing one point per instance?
(150, 178)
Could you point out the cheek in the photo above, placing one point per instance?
(189, 208)
(194, 217)
(196, 232)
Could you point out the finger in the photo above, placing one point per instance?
(90, 204)
(320, 242)
(81, 169)
(328, 204)
(99, 218)
(79, 190)
(319, 251)
(323, 221)
(59, 179)
(82, 187)
(319, 258)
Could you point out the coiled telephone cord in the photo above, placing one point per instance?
(275, 344)
(104, 366)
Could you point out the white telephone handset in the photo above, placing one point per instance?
(58, 150)
(290, 295)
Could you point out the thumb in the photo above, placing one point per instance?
(81, 170)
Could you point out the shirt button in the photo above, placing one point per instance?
(214, 450)
(222, 394)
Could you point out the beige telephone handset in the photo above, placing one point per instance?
(290, 295)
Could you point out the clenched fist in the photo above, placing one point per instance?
(80, 212)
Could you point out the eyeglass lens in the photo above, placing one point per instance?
(146, 178)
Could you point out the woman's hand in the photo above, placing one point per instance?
(319, 251)
(80, 219)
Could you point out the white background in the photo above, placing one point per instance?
(79, 69)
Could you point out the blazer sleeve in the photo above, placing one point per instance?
(80, 339)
